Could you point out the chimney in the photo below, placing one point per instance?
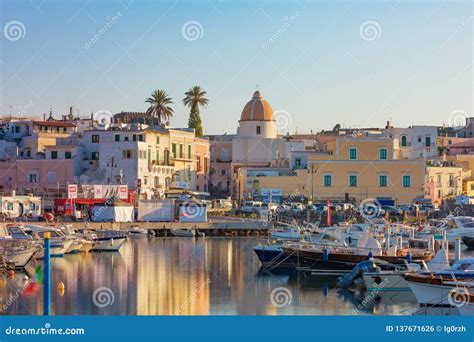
(70, 111)
(388, 125)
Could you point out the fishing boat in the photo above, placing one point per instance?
(108, 240)
(433, 290)
(339, 260)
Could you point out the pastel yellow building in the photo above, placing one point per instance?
(359, 168)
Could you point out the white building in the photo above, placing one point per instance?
(414, 142)
(16, 206)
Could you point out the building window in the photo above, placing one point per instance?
(406, 181)
(54, 154)
(327, 180)
(157, 156)
(181, 151)
(352, 180)
(127, 154)
(95, 138)
(223, 172)
(157, 139)
(32, 176)
(419, 139)
(157, 181)
(427, 141)
(125, 138)
(51, 176)
(95, 155)
(352, 153)
(31, 206)
(117, 137)
(383, 153)
(28, 154)
(403, 140)
(383, 181)
(140, 137)
(173, 150)
(258, 130)
(297, 163)
(189, 151)
(67, 155)
(10, 206)
(134, 137)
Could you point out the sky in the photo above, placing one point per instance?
(318, 63)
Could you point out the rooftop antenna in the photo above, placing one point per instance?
(257, 87)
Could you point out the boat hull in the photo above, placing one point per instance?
(337, 263)
(272, 256)
(385, 281)
(108, 244)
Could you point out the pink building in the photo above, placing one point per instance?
(202, 164)
(465, 147)
(221, 161)
(40, 177)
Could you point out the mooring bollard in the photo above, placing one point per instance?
(47, 275)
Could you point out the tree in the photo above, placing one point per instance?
(159, 106)
(195, 98)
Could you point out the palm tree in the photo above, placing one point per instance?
(159, 106)
(195, 98)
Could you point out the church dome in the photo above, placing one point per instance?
(257, 109)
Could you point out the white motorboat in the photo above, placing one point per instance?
(108, 240)
(181, 232)
(59, 243)
(81, 242)
(284, 231)
(137, 231)
(18, 251)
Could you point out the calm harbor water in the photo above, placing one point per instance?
(184, 276)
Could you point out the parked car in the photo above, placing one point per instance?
(269, 206)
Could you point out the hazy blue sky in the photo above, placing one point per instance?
(313, 60)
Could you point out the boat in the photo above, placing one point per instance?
(18, 251)
(338, 260)
(434, 290)
(468, 241)
(273, 256)
(137, 231)
(108, 240)
(283, 231)
(80, 243)
(181, 232)
(59, 243)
